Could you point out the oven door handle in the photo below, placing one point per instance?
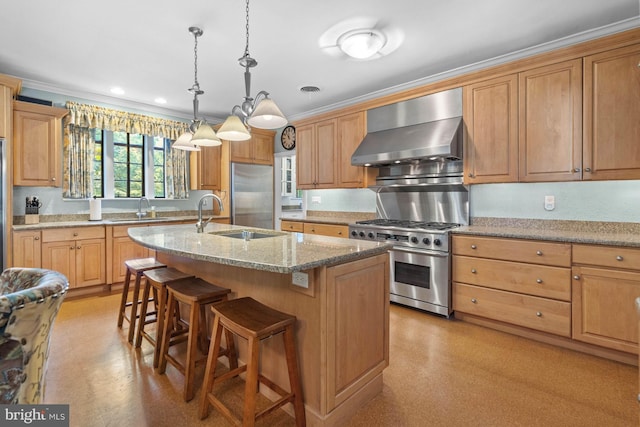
(421, 251)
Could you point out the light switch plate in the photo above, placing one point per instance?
(549, 203)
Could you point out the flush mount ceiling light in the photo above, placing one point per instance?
(200, 133)
(260, 112)
(362, 44)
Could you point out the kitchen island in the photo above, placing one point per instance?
(338, 289)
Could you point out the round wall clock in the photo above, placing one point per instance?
(288, 138)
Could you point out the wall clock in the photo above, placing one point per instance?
(288, 138)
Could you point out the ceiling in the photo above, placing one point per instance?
(144, 46)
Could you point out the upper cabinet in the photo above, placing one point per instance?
(490, 110)
(323, 153)
(37, 133)
(258, 149)
(209, 169)
(550, 123)
(611, 147)
(5, 111)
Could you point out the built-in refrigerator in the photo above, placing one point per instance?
(252, 195)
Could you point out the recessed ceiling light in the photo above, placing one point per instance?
(362, 44)
(117, 90)
(160, 101)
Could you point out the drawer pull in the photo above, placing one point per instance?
(36, 238)
(473, 246)
(539, 253)
(576, 277)
(538, 280)
(474, 271)
(75, 233)
(473, 300)
(619, 258)
(539, 313)
(70, 247)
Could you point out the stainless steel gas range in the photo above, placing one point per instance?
(416, 146)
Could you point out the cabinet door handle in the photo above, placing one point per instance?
(619, 258)
(576, 277)
(473, 270)
(539, 253)
(576, 170)
(538, 280)
(36, 238)
(587, 169)
(474, 247)
(539, 313)
(473, 300)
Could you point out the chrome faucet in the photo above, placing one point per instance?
(200, 225)
(140, 214)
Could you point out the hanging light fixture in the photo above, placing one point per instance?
(260, 112)
(200, 132)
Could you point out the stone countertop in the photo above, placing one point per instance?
(331, 219)
(588, 232)
(125, 221)
(284, 253)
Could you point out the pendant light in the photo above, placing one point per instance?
(200, 132)
(260, 112)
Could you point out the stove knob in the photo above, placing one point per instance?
(370, 235)
(414, 239)
(437, 242)
(426, 241)
(354, 233)
(361, 234)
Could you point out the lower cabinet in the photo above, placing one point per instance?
(326, 229)
(606, 283)
(78, 253)
(123, 249)
(27, 249)
(293, 226)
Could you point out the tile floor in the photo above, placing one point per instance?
(442, 372)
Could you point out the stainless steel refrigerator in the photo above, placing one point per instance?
(252, 195)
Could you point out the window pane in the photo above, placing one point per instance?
(135, 173)
(136, 139)
(120, 137)
(120, 154)
(159, 189)
(120, 188)
(135, 155)
(135, 189)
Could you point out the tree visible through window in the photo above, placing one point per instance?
(128, 165)
(158, 166)
(98, 162)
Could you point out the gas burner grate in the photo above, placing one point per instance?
(400, 223)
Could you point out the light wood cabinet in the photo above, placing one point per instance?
(124, 249)
(27, 249)
(37, 133)
(520, 282)
(605, 286)
(78, 253)
(351, 130)
(550, 123)
(293, 226)
(611, 114)
(490, 110)
(5, 111)
(326, 229)
(317, 155)
(258, 149)
(209, 168)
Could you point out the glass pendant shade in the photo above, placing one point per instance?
(184, 143)
(267, 115)
(233, 130)
(205, 136)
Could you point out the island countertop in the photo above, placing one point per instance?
(283, 253)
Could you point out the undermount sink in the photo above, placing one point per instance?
(245, 234)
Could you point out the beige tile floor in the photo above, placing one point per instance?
(442, 373)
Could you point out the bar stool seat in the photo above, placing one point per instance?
(254, 322)
(197, 294)
(135, 267)
(158, 280)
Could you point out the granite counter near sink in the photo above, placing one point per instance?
(112, 221)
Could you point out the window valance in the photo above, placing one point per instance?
(92, 116)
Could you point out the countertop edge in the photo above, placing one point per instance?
(112, 222)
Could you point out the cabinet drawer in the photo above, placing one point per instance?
(607, 256)
(326, 229)
(62, 234)
(533, 251)
(531, 279)
(530, 312)
(292, 226)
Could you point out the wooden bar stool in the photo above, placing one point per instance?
(197, 294)
(254, 322)
(158, 280)
(135, 267)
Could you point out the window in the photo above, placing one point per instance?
(129, 165)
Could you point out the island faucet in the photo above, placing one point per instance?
(200, 225)
(140, 214)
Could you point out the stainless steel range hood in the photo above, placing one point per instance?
(421, 129)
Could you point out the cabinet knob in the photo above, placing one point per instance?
(587, 169)
(313, 230)
(71, 248)
(473, 246)
(53, 179)
(619, 258)
(473, 270)
(77, 247)
(576, 277)
(75, 234)
(471, 175)
(538, 280)
(576, 170)
(36, 238)
(539, 313)
(539, 253)
(473, 300)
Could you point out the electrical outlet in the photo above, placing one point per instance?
(549, 203)
(316, 199)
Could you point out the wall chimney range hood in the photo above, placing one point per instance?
(422, 129)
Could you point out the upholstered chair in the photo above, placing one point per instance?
(29, 301)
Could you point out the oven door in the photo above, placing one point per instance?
(420, 279)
